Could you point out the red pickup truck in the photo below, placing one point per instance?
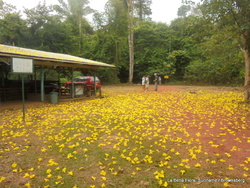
(87, 81)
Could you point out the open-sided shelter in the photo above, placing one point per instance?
(42, 61)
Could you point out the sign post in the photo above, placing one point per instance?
(23, 97)
(22, 66)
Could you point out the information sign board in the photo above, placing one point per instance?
(22, 65)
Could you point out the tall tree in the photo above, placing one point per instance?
(56, 36)
(142, 9)
(183, 10)
(110, 39)
(136, 9)
(36, 18)
(235, 16)
(75, 9)
(12, 29)
(130, 4)
(6, 8)
(113, 23)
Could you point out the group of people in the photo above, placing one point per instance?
(145, 82)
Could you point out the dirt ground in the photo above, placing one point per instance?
(216, 135)
(34, 101)
(229, 140)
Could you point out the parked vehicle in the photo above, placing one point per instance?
(87, 81)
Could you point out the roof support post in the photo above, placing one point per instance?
(95, 81)
(2, 81)
(42, 84)
(2, 76)
(59, 82)
(73, 85)
(35, 80)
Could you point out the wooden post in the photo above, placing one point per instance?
(2, 76)
(2, 82)
(42, 84)
(59, 83)
(23, 97)
(35, 81)
(72, 86)
(95, 81)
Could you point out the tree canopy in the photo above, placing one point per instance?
(207, 44)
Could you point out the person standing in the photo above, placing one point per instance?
(143, 83)
(147, 83)
(159, 79)
(156, 81)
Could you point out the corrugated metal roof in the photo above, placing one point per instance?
(9, 51)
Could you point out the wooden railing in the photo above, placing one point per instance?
(12, 93)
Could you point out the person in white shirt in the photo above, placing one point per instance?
(159, 79)
(143, 82)
(147, 83)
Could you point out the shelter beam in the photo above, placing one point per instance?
(4, 61)
(50, 63)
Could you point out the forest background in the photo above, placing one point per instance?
(192, 49)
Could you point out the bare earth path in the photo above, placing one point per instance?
(209, 126)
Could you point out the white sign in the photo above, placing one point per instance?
(22, 65)
(79, 89)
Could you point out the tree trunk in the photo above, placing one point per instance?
(80, 34)
(131, 39)
(131, 55)
(246, 46)
(247, 75)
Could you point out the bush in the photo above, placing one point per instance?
(108, 75)
(214, 72)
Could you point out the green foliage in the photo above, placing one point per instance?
(109, 43)
(183, 10)
(12, 29)
(73, 13)
(143, 9)
(37, 17)
(151, 48)
(56, 36)
(66, 76)
(218, 57)
(202, 45)
(6, 8)
(214, 72)
(233, 17)
(108, 76)
(180, 60)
